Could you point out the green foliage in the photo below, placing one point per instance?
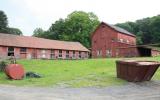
(38, 32)
(147, 30)
(3, 22)
(3, 64)
(14, 31)
(78, 26)
(4, 28)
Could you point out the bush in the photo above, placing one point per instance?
(3, 64)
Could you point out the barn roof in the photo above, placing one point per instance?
(121, 30)
(34, 42)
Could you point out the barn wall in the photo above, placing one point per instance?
(17, 52)
(128, 52)
(33, 53)
(124, 37)
(106, 38)
(102, 40)
(3, 52)
(155, 53)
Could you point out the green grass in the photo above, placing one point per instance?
(74, 73)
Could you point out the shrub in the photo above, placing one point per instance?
(3, 64)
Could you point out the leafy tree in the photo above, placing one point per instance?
(4, 28)
(78, 26)
(15, 31)
(147, 29)
(3, 22)
(57, 30)
(38, 32)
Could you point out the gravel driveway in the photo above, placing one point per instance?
(131, 91)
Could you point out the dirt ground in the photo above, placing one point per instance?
(131, 91)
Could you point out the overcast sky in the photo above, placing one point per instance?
(30, 14)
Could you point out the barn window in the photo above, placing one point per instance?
(60, 53)
(108, 53)
(67, 54)
(52, 55)
(10, 51)
(23, 50)
(127, 41)
(43, 53)
(117, 52)
(73, 54)
(121, 40)
(80, 54)
(113, 40)
(86, 54)
(99, 52)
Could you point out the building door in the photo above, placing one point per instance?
(34, 54)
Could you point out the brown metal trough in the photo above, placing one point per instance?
(136, 71)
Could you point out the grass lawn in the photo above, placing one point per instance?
(74, 73)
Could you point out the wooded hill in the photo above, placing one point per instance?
(147, 30)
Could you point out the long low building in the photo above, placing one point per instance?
(37, 48)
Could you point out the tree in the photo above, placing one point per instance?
(4, 28)
(15, 31)
(57, 30)
(78, 26)
(38, 32)
(147, 29)
(3, 22)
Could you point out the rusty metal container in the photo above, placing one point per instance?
(15, 71)
(136, 71)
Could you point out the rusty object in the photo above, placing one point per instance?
(136, 71)
(15, 71)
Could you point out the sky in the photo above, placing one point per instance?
(30, 14)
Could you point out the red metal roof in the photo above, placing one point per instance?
(34, 42)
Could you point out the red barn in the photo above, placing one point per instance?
(113, 41)
(108, 39)
(33, 47)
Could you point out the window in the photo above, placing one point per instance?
(127, 41)
(43, 53)
(23, 50)
(117, 52)
(113, 40)
(121, 40)
(86, 54)
(67, 54)
(99, 53)
(10, 51)
(80, 54)
(73, 54)
(60, 53)
(52, 55)
(108, 53)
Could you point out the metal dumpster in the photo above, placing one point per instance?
(136, 71)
